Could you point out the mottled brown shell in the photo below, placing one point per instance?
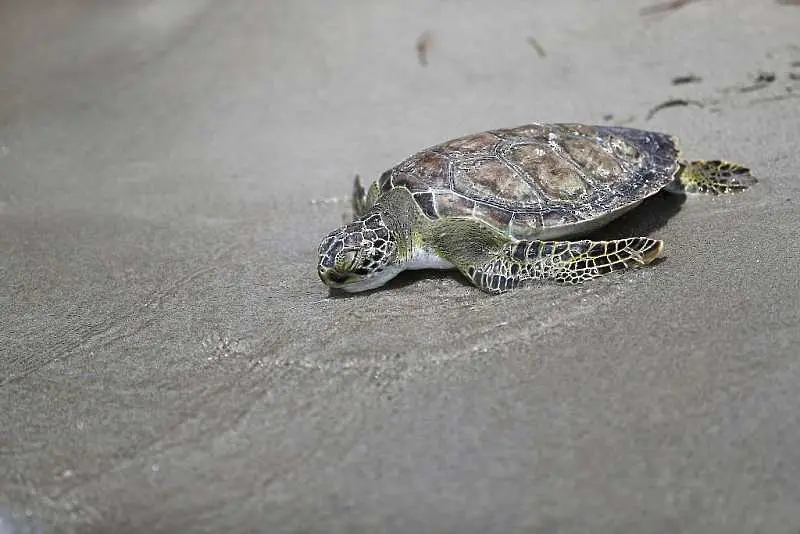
(539, 176)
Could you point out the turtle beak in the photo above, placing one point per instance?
(334, 269)
(331, 278)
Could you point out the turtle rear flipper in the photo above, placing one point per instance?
(359, 200)
(713, 177)
(363, 199)
(566, 262)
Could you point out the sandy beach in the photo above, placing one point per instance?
(171, 362)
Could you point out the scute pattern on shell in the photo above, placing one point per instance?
(537, 176)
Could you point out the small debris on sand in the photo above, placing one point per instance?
(330, 200)
(675, 102)
(666, 6)
(688, 78)
(536, 46)
(613, 119)
(424, 42)
(765, 77)
(761, 80)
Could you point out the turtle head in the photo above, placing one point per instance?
(359, 256)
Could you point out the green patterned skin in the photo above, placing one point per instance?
(566, 262)
(496, 204)
(713, 177)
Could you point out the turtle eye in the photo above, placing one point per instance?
(376, 254)
(346, 260)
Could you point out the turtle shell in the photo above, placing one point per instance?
(538, 180)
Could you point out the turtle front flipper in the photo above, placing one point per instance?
(711, 177)
(566, 262)
(495, 263)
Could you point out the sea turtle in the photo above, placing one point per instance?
(493, 204)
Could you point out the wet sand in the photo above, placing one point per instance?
(171, 363)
